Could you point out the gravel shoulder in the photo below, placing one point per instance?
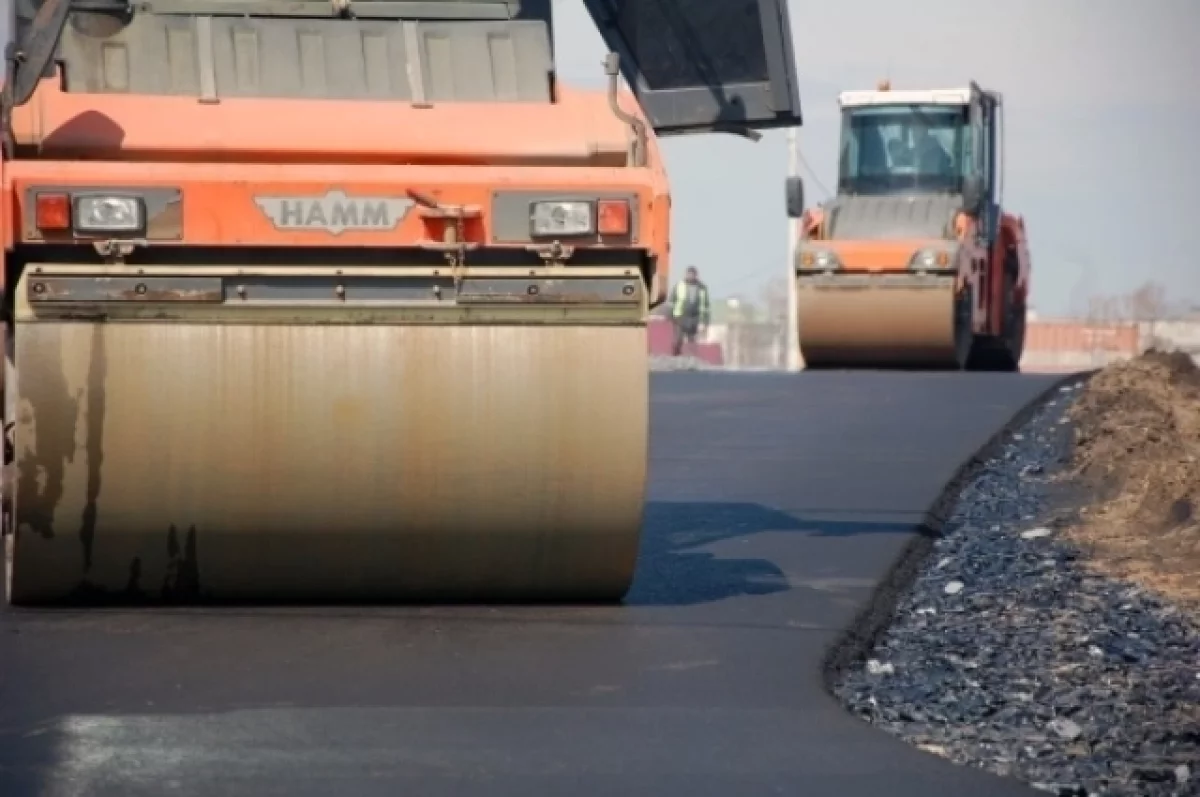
(1052, 634)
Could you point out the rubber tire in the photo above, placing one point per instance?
(964, 339)
(8, 416)
(1003, 353)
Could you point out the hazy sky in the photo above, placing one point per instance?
(1103, 110)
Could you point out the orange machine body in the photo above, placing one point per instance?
(221, 156)
(972, 264)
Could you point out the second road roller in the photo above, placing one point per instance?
(315, 300)
(915, 262)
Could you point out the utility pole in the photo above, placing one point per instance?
(792, 337)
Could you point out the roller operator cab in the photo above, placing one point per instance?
(343, 300)
(914, 262)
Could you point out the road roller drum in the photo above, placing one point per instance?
(180, 448)
(881, 321)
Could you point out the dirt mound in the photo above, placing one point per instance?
(1137, 449)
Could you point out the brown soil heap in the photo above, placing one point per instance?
(1137, 450)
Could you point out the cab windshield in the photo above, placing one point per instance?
(901, 148)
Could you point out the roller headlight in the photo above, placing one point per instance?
(108, 213)
(930, 259)
(819, 259)
(561, 219)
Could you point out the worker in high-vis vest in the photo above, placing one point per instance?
(689, 309)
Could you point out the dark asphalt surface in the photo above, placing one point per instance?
(776, 503)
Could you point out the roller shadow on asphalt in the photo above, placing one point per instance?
(674, 569)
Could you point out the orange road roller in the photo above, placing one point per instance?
(914, 263)
(317, 300)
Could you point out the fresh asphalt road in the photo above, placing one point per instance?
(776, 503)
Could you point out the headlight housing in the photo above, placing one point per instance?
(930, 259)
(819, 259)
(99, 213)
(564, 219)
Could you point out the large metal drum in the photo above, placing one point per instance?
(245, 437)
(878, 320)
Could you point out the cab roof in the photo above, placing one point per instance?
(956, 96)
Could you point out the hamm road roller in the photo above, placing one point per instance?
(914, 263)
(313, 300)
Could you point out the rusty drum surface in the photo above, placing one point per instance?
(876, 320)
(193, 458)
